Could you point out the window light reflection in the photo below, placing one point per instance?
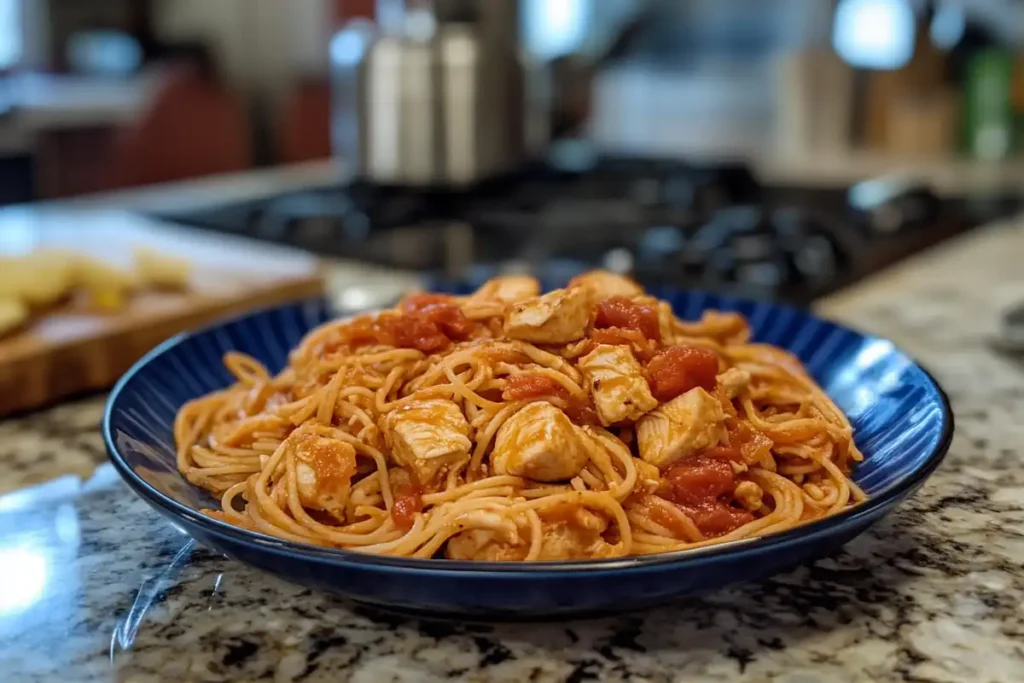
(10, 33)
(556, 27)
(874, 34)
(23, 576)
(864, 379)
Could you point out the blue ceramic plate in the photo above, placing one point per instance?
(901, 418)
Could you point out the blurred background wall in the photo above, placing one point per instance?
(263, 45)
(90, 88)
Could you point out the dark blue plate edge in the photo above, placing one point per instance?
(172, 508)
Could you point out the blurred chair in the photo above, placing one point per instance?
(304, 130)
(193, 126)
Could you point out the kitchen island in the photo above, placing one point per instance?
(94, 585)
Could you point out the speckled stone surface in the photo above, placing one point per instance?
(63, 440)
(94, 586)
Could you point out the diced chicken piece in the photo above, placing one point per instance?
(558, 317)
(509, 288)
(486, 546)
(685, 425)
(749, 495)
(488, 536)
(500, 527)
(427, 436)
(539, 442)
(604, 285)
(575, 515)
(648, 478)
(617, 384)
(493, 298)
(568, 541)
(324, 467)
(733, 381)
(575, 536)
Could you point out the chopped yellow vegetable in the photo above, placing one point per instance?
(107, 299)
(40, 280)
(161, 271)
(13, 314)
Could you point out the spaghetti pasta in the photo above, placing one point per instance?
(584, 423)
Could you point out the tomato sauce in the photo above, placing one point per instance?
(414, 332)
(581, 412)
(407, 504)
(426, 322)
(643, 349)
(699, 486)
(618, 311)
(362, 331)
(530, 386)
(334, 464)
(697, 480)
(677, 369)
(662, 517)
(752, 444)
(442, 311)
(717, 519)
(419, 302)
(408, 499)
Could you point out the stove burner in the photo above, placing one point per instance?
(664, 221)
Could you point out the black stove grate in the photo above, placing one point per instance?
(664, 221)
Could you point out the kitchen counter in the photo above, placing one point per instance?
(96, 586)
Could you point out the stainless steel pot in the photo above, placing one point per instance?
(436, 94)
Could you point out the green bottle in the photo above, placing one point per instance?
(988, 114)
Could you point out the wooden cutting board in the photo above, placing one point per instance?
(68, 351)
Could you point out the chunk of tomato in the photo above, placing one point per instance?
(716, 519)
(527, 385)
(677, 369)
(618, 311)
(442, 311)
(534, 386)
(699, 481)
(408, 499)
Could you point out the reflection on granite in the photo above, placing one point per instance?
(95, 586)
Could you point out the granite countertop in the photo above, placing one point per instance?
(96, 586)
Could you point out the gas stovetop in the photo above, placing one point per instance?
(666, 222)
